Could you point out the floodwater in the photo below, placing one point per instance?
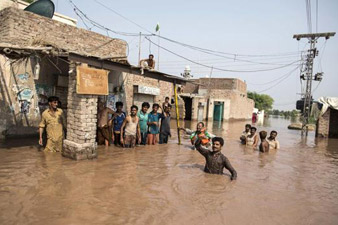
(165, 184)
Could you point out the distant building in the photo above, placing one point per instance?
(216, 99)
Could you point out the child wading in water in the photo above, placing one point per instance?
(118, 118)
(131, 129)
(200, 133)
(264, 146)
(153, 124)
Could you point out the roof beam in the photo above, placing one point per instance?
(109, 65)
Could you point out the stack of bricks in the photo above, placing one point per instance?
(80, 142)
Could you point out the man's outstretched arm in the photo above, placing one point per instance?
(200, 149)
(228, 166)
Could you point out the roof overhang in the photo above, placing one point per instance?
(118, 64)
(111, 65)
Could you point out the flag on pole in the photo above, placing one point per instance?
(157, 27)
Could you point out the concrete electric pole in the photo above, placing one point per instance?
(307, 75)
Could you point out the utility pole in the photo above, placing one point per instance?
(308, 75)
(139, 50)
(208, 100)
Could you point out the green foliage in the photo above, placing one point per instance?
(276, 112)
(262, 101)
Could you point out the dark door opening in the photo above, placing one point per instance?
(333, 126)
(218, 111)
(188, 107)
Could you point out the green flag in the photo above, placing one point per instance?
(157, 27)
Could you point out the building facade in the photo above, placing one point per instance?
(40, 57)
(217, 99)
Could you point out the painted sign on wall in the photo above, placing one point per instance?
(91, 81)
(148, 90)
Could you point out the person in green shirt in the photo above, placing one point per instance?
(143, 119)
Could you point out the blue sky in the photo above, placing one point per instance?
(241, 27)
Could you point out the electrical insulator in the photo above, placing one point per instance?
(318, 76)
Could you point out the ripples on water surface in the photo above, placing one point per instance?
(165, 184)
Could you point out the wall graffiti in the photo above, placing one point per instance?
(23, 77)
(43, 92)
(24, 106)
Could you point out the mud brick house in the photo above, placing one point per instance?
(217, 99)
(40, 57)
(327, 122)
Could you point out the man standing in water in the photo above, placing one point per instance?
(165, 125)
(245, 134)
(273, 143)
(103, 129)
(54, 121)
(143, 119)
(215, 161)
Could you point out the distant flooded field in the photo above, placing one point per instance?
(165, 184)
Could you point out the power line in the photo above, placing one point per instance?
(110, 9)
(288, 75)
(272, 81)
(216, 68)
(234, 55)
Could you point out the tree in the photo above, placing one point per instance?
(262, 101)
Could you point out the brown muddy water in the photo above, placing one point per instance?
(165, 184)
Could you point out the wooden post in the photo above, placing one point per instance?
(177, 115)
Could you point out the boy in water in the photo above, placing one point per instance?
(143, 119)
(165, 125)
(200, 133)
(131, 129)
(118, 118)
(215, 161)
(245, 133)
(264, 146)
(153, 124)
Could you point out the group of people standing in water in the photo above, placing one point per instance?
(250, 137)
(138, 128)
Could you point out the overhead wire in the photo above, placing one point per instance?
(207, 51)
(216, 68)
(112, 10)
(187, 45)
(272, 81)
(288, 75)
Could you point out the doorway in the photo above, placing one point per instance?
(218, 111)
(200, 112)
(188, 107)
(333, 125)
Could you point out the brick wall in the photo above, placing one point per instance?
(80, 142)
(166, 88)
(323, 125)
(22, 28)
